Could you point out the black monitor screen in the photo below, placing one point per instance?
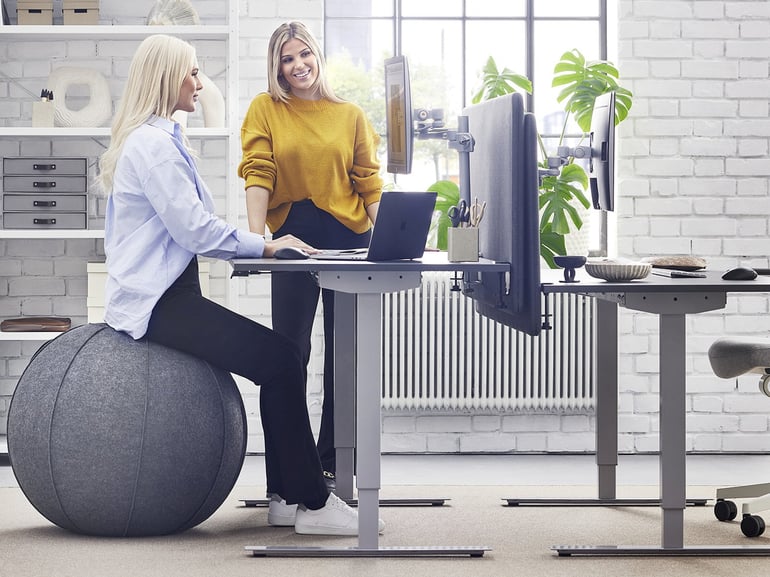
(602, 163)
(398, 115)
(504, 173)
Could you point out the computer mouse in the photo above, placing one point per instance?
(290, 252)
(740, 273)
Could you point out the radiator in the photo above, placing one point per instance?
(438, 353)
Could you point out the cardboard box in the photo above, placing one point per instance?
(80, 12)
(38, 12)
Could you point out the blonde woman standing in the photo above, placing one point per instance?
(311, 170)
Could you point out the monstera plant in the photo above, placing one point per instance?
(581, 82)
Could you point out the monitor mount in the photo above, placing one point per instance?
(429, 124)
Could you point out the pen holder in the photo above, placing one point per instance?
(42, 113)
(463, 244)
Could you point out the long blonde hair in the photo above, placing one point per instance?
(155, 77)
(277, 86)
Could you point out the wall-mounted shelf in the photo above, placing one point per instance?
(50, 234)
(107, 32)
(98, 132)
(28, 336)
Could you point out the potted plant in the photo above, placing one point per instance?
(581, 83)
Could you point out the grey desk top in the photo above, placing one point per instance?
(431, 261)
(552, 282)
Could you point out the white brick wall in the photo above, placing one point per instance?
(698, 136)
(692, 171)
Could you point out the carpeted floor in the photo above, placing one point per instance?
(520, 538)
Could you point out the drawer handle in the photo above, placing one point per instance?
(50, 203)
(44, 166)
(43, 221)
(37, 184)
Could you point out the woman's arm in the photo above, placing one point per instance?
(256, 208)
(372, 209)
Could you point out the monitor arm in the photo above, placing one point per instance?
(429, 124)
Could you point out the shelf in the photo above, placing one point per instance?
(51, 234)
(98, 132)
(107, 32)
(28, 336)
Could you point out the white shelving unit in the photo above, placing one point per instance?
(227, 33)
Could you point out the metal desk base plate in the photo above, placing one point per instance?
(277, 551)
(653, 551)
(595, 502)
(354, 502)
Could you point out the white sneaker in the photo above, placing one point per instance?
(280, 514)
(334, 518)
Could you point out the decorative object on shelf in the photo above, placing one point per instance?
(569, 263)
(115, 437)
(618, 271)
(96, 112)
(172, 12)
(212, 103)
(36, 324)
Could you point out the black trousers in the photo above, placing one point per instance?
(295, 300)
(185, 320)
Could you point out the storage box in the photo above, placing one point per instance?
(35, 12)
(463, 244)
(45, 192)
(80, 12)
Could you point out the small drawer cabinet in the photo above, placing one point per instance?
(45, 193)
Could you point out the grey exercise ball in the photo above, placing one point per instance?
(116, 437)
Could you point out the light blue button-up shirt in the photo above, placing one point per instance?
(159, 215)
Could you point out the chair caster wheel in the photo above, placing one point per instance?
(752, 525)
(725, 510)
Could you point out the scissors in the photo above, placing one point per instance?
(477, 212)
(459, 214)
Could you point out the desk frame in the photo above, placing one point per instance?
(359, 287)
(672, 300)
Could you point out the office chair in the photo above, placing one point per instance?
(730, 358)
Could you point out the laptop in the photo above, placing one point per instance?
(400, 232)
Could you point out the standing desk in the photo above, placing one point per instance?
(359, 286)
(672, 299)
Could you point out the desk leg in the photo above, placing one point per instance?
(344, 391)
(607, 397)
(368, 421)
(368, 351)
(672, 427)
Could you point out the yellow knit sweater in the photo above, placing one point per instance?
(311, 149)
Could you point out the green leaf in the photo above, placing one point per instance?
(448, 195)
(582, 82)
(551, 244)
(495, 83)
(557, 209)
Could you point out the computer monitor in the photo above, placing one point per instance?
(504, 174)
(398, 115)
(602, 162)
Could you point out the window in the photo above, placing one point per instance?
(448, 43)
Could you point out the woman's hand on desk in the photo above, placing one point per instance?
(286, 241)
